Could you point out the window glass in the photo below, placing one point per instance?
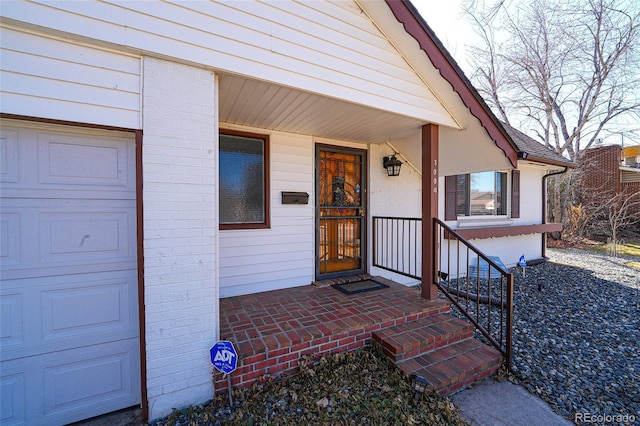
(482, 199)
(242, 180)
(501, 193)
(482, 194)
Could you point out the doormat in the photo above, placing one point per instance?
(359, 286)
(342, 280)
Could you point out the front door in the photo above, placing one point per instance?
(340, 211)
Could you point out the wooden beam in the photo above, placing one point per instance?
(507, 231)
(430, 172)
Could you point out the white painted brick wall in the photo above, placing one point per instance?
(509, 249)
(180, 230)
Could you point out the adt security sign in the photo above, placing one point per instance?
(522, 262)
(224, 356)
(523, 265)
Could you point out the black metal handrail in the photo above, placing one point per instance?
(397, 245)
(476, 284)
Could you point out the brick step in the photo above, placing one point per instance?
(455, 366)
(410, 339)
(322, 322)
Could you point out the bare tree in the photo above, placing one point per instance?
(620, 212)
(568, 70)
(603, 204)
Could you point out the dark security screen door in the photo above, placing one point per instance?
(340, 211)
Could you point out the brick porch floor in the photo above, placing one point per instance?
(273, 330)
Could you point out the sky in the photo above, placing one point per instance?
(446, 18)
(450, 23)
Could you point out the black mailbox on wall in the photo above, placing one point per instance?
(295, 197)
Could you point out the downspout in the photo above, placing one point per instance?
(544, 206)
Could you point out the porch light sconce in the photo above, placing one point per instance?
(392, 164)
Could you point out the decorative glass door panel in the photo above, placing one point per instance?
(340, 211)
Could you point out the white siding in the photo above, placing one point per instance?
(180, 229)
(330, 48)
(530, 194)
(256, 260)
(393, 196)
(509, 249)
(402, 196)
(53, 78)
(468, 151)
(630, 177)
(399, 196)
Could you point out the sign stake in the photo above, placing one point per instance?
(225, 359)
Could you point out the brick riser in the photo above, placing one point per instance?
(281, 352)
(448, 362)
(413, 338)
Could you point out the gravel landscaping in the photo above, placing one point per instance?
(577, 342)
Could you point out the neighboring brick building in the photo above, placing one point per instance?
(630, 169)
(610, 170)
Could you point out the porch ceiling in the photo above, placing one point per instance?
(259, 104)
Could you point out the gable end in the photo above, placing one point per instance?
(415, 26)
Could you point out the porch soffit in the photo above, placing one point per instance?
(259, 104)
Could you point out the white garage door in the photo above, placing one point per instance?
(69, 304)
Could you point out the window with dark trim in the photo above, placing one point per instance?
(481, 194)
(244, 180)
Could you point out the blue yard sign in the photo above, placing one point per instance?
(522, 262)
(523, 265)
(224, 356)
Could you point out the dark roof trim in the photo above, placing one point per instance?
(536, 159)
(415, 26)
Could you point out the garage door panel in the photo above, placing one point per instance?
(70, 161)
(12, 399)
(10, 236)
(109, 369)
(46, 164)
(69, 342)
(12, 320)
(90, 310)
(76, 384)
(51, 314)
(86, 236)
(9, 170)
(54, 237)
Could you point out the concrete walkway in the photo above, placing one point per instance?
(493, 403)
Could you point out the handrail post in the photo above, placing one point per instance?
(509, 337)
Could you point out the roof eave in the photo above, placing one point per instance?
(537, 159)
